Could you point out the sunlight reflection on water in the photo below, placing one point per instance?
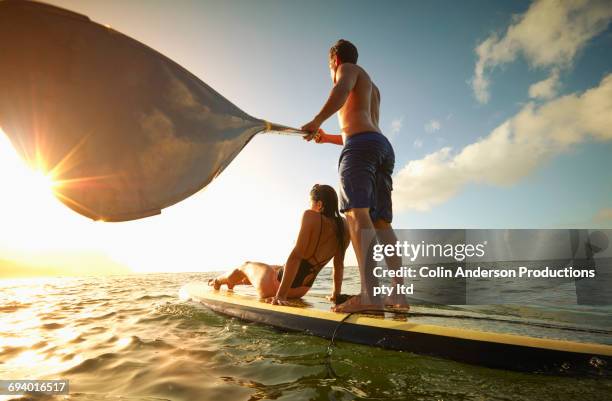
(134, 338)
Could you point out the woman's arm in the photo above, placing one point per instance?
(338, 269)
(295, 257)
(337, 275)
(289, 273)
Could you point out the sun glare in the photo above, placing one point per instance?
(30, 184)
(43, 180)
(28, 206)
(18, 176)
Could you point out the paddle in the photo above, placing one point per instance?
(124, 130)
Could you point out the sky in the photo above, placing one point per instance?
(499, 113)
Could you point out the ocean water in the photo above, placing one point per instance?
(133, 338)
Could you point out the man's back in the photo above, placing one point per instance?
(360, 112)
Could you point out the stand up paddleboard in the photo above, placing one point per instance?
(312, 315)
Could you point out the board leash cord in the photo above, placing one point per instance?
(332, 342)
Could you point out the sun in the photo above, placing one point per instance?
(43, 180)
(24, 181)
(26, 189)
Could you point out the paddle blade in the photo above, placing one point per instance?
(123, 130)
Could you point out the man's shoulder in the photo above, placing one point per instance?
(348, 65)
(355, 70)
(350, 68)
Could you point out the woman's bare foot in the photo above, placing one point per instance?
(213, 282)
(355, 304)
(216, 283)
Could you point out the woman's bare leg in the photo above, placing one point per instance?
(262, 276)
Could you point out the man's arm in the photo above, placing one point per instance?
(329, 138)
(347, 78)
(324, 137)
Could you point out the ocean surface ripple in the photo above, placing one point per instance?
(132, 338)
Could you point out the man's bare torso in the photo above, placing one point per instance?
(360, 112)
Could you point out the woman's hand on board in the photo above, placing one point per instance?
(276, 301)
(332, 297)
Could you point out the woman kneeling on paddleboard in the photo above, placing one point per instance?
(323, 236)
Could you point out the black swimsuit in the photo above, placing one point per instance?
(305, 268)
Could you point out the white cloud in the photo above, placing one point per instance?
(547, 88)
(549, 34)
(396, 125)
(418, 143)
(433, 126)
(603, 215)
(511, 151)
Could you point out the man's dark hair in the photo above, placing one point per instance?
(345, 50)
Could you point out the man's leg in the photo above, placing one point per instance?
(359, 161)
(386, 235)
(361, 230)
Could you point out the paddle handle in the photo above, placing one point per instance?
(272, 128)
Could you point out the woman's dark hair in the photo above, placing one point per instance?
(327, 195)
(345, 50)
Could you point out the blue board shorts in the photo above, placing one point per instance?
(365, 166)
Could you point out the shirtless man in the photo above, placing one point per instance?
(365, 166)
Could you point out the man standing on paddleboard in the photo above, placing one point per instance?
(366, 162)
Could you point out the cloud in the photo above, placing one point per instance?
(433, 126)
(396, 125)
(511, 151)
(547, 88)
(418, 143)
(603, 215)
(549, 34)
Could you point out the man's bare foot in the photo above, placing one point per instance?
(397, 302)
(355, 304)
